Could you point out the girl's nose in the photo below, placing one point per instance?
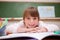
(32, 20)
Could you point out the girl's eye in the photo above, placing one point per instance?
(34, 18)
(28, 18)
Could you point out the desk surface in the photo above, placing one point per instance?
(35, 35)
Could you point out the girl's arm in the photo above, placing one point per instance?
(11, 28)
(52, 27)
(49, 27)
(41, 29)
(31, 30)
(21, 30)
(8, 32)
(25, 30)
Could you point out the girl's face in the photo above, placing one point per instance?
(31, 22)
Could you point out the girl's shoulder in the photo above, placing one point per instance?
(17, 24)
(13, 27)
(41, 22)
(20, 23)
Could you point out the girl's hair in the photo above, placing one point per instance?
(31, 11)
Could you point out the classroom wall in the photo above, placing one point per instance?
(33, 0)
(16, 9)
(55, 2)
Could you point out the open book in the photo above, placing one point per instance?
(52, 37)
(3, 26)
(37, 36)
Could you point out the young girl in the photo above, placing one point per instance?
(31, 23)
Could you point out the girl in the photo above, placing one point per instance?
(30, 23)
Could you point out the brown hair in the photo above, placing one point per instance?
(32, 11)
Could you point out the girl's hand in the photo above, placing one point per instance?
(38, 30)
(24, 30)
(31, 30)
(41, 29)
(8, 32)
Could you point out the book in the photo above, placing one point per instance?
(52, 37)
(17, 36)
(2, 24)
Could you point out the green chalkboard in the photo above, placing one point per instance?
(16, 9)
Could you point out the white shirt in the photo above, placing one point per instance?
(50, 27)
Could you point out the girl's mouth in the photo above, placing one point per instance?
(31, 25)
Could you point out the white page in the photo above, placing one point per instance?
(35, 35)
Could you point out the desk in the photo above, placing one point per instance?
(35, 35)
